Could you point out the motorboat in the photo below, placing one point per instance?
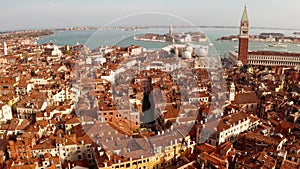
(278, 45)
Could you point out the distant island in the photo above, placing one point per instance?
(264, 37)
(173, 37)
(134, 28)
(178, 38)
(25, 34)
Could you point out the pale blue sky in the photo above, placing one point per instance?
(20, 14)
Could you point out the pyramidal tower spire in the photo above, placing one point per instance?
(245, 15)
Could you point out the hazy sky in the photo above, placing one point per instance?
(24, 14)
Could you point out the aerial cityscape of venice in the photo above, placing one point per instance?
(192, 84)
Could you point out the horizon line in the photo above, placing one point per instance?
(141, 26)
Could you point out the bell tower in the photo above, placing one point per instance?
(232, 92)
(4, 48)
(171, 31)
(244, 38)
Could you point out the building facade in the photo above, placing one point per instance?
(268, 58)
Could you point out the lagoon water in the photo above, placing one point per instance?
(96, 38)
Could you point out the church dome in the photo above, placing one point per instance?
(202, 51)
(187, 55)
(188, 48)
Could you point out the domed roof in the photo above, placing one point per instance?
(202, 51)
(188, 48)
(187, 55)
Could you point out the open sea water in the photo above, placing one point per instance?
(96, 38)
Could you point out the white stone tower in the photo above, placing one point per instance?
(171, 31)
(232, 92)
(5, 48)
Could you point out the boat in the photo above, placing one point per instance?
(278, 45)
(298, 45)
(130, 29)
(296, 33)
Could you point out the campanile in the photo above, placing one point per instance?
(244, 38)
